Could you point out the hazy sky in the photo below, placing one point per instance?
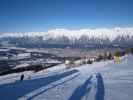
(42, 15)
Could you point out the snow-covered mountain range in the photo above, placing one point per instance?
(111, 33)
(117, 35)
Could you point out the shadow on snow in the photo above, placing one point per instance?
(100, 88)
(80, 91)
(53, 86)
(13, 91)
(85, 88)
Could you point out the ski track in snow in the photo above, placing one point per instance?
(99, 81)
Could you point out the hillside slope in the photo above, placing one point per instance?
(104, 80)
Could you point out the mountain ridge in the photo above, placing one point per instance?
(87, 37)
(110, 33)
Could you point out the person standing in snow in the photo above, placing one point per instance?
(22, 77)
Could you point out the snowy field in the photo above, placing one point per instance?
(104, 80)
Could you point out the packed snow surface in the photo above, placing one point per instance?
(103, 80)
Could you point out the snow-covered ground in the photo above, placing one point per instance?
(104, 80)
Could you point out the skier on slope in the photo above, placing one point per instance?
(22, 77)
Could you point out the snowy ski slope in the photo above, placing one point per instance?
(104, 80)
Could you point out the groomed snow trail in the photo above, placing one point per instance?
(104, 80)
